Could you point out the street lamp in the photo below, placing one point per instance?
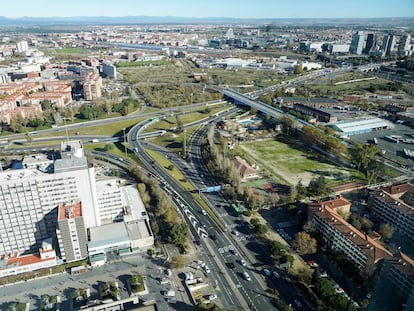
(126, 154)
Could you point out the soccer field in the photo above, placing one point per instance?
(291, 164)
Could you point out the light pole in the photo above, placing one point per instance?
(126, 153)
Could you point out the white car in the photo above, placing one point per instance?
(243, 262)
(212, 297)
(246, 276)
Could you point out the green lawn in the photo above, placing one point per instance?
(289, 164)
(112, 129)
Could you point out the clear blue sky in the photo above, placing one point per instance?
(210, 8)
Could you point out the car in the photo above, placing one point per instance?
(297, 303)
(207, 269)
(212, 297)
(213, 237)
(234, 251)
(172, 300)
(168, 272)
(276, 274)
(246, 276)
(236, 233)
(231, 265)
(203, 212)
(243, 262)
(266, 272)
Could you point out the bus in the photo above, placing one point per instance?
(235, 210)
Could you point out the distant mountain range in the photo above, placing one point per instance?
(105, 20)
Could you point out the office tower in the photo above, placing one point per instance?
(370, 44)
(404, 45)
(388, 44)
(357, 43)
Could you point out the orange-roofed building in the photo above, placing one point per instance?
(342, 237)
(71, 232)
(16, 264)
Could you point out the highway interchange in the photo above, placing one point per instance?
(235, 291)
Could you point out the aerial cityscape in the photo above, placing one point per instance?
(207, 155)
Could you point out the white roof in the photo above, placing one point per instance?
(360, 124)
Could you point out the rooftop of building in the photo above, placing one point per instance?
(338, 202)
(71, 211)
(360, 124)
(403, 201)
(135, 208)
(244, 168)
(138, 229)
(403, 263)
(372, 248)
(111, 234)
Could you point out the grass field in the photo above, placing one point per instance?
(290, 164)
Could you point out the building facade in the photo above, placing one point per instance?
(342, 237)
(357, 43)
(395, 205)
(71, 233)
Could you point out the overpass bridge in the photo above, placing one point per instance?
(246, 100)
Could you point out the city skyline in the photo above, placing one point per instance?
(214, 8)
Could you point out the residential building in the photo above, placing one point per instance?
(22, 46)
(246, 171)
(92, 86)
(397, 276)
(357, 43)
(342, 237)
(71, 232)
(395, 205)
(109, 70)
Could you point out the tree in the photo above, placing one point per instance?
(178, 234)
(300, 190)
(304, 243)
(386, 230)
(179, 124)
(310, 226)
(177, 262)
(318, 187)
(109, 147)
(298, 69)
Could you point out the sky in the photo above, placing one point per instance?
(210, 8)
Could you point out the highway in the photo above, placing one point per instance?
(201, 228)
(248, 245)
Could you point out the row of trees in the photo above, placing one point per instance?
(165, 221)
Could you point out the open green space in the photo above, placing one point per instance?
(72, 51)
(111, 129)
(116, 149)
(143, 63)
(171, 122)
(289, 162)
